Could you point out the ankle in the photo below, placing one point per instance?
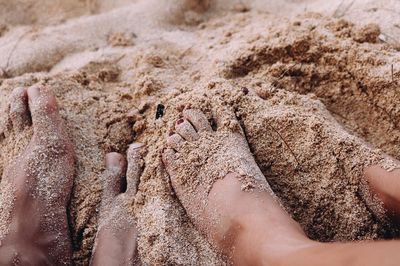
(256, 244)
(250, 220)
(277, 253)
(28, 241)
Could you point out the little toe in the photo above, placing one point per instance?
(186, 130)
(44, 109)
(197, 119)
(113, 178)
(135, 167)
(19, 110)
(175, 141)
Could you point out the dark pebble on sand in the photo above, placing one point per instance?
(160, 111)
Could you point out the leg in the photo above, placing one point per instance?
(116, 240)
(250, 227)
(362, 253)
(37, 185)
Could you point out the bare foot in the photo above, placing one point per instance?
(225, 194)
(37, 185)
(116, 240)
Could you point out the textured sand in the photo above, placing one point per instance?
(311, 84)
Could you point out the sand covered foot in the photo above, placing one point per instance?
(224, 193)
(116, 240)
(36, 186)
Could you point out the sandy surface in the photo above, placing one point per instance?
(313, 84)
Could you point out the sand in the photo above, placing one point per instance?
(313, 85)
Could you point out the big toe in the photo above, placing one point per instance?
(186, 130)
(19, 110)
(114, 181)
(197, 119)
(168, 158)
(44, 110)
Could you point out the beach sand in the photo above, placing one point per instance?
(313, 85)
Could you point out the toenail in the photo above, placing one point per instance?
(136, 145)
(113, 160)
(180, 121)
(19, 90)
(34, 92)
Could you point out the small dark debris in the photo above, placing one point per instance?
(160, 111)
(213, 124)
(245, 90)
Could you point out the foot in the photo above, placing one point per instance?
(116, 240)
(225, 194)
(385, 185)
(36, 187)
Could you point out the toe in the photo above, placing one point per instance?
(186, 130)
(135, 167)
(197, 119)
(168, 158)
(227, 120)
(175, 141)
(19, 110)
(44, 109)
(114, 181)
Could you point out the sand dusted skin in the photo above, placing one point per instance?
(198, 156)
(313, 85)
(36, 185)
(116, 239)
(216, 154)
(249, 226)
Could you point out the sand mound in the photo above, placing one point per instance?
(315, 94)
